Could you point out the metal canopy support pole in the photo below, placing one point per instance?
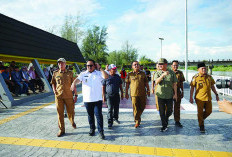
(77, 68)
(186, 42)
(6, 96)
(40, 72)
(161, 46)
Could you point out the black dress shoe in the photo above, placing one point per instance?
(74, 125)
(110, 126)
(202, 129)
(117, 121)
(178, 124)
(60, 133)
(102, 136)
(91, 132)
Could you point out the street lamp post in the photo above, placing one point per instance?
(161, 46)
(186, 42)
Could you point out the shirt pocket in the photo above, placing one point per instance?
(133, 78)
(58, 80)
(168, 77)
(200, 84)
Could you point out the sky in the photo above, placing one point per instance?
(142, 23)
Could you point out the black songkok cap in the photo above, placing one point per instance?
(199, 65)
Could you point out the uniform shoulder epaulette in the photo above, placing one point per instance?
(180, 71)
(196, 75)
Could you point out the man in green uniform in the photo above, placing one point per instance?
(139, 89)
(203, 84)
(61, 82)
(165, 80)
(180, 92)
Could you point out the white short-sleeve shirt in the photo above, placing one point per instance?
(91, 86)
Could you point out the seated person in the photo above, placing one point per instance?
(1, 67)
(6, 77)
(35, 79)
(12, 66)
(16, 77)
(26, 78)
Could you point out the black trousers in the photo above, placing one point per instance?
(95, 108)
(165, 110)
(113, 107)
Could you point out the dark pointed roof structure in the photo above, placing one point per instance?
(22, 43)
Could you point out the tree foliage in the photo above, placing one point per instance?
(94, 44)
(71, 29)
(145, 61)
(125, 56)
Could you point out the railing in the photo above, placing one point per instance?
(224, 91)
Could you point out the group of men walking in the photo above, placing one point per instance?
(99, 86)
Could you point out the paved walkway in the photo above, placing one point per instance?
(30, 130)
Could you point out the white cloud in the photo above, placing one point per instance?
(199, 50)
(167, 19)
(47, 13)
(210, 24)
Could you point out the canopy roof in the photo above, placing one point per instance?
(22, 43)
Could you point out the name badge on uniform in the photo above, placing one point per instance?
(86, 78)
(133, 77)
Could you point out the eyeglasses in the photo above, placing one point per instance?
(161, 63)
(89, 65)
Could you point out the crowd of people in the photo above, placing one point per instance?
(21, 80)
(110, 86)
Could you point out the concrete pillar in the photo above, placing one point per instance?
(77, 68)
(40, 72)
(5, 93)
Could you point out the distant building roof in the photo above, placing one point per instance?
(21, 40)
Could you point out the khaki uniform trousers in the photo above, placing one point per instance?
(60, 111)
(156, 99)
(204, 109)
(177, 108)
(138, 103)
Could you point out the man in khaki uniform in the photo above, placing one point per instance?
(61, 82)
(138, 83)
(203, 84)
(180, 92)
(154, 87)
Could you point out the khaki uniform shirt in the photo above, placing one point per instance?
(165, 87)
(180, 78)
(63, 82)
(153, 76)
(203, 84)
(137, 83)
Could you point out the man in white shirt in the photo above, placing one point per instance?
(92, 95)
